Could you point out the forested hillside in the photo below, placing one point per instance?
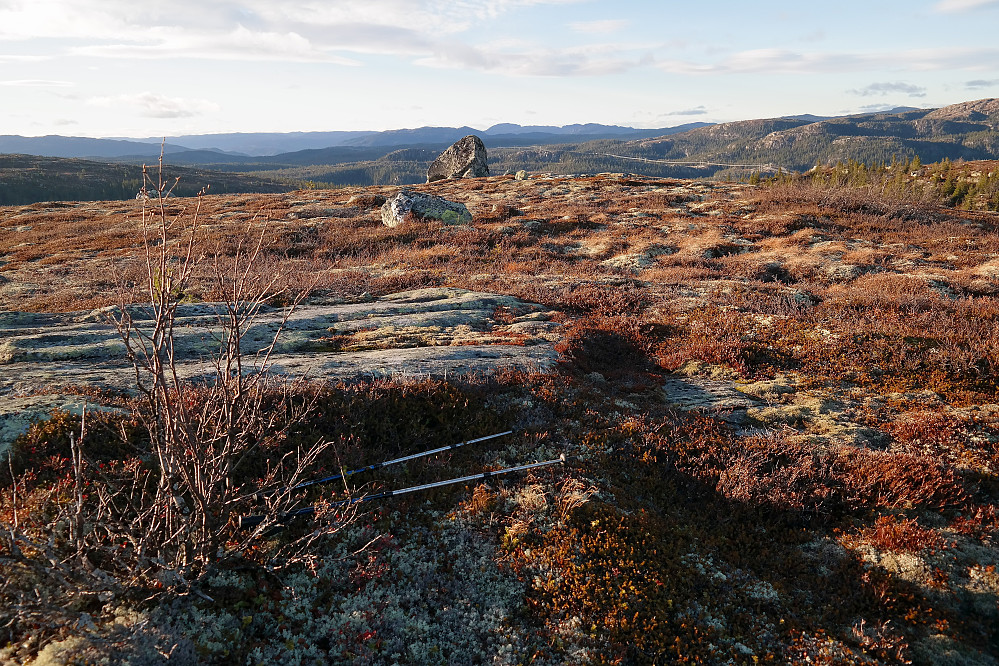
(27, 178)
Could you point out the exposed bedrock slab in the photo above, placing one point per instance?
(696, 394)
(435, 332)
(716, 397)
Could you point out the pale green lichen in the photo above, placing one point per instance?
(454, 217)
(437, 598)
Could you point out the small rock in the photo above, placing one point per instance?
(465, 159)
(842, 272)
(504, 210)
(427, 206)
(805, 298)
(366, 200)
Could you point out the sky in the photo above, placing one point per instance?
(123, 68)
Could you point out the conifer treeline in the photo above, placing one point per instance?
(958, 184)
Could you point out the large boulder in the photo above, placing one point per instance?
(465, 159)
(429, 207)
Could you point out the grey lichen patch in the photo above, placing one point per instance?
(790, 415)
(769, 390)
(942, 650)
(17, 414)
(815, 419)
(389, 337)
(635, 262)
(700, 369)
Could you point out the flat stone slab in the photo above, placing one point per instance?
(439, 332)
(708, 395)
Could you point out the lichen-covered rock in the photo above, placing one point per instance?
(440, 332)
(426, 206)
(465, 159)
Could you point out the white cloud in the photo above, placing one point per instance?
(876, 108)
(238, 44)
(591, 60)
(696, 111)
(262, 30)
(27, 19)
(950, 6)
(887, 88)
(155, 105)
(36, 83)
(127, 20)
(782, 61)
(600, 27)
(4, 59)
(981, 83)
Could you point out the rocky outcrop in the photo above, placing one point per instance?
(465, 159)
(442, 332)
(396, 210)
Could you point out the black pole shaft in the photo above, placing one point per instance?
(246, 522)
(379, 465)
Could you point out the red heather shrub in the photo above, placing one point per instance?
(780, 473)
(925, 431)
(902, 534)
(611, 346)
(792, 476)
(899, 480)
(978, 522)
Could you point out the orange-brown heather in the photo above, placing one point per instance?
(847, 516)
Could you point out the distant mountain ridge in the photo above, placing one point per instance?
(271, 144)
(55, 145)
(26, 179)
(968, 130)
(261, 143)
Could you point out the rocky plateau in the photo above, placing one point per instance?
(820, 362)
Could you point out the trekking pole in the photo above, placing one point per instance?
(247, 522)
(379, 465)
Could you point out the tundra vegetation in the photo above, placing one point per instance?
(778, 403)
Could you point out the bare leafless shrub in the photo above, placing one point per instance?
(866, 200)
(106, 528)
(201, 435)
(870, 201)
